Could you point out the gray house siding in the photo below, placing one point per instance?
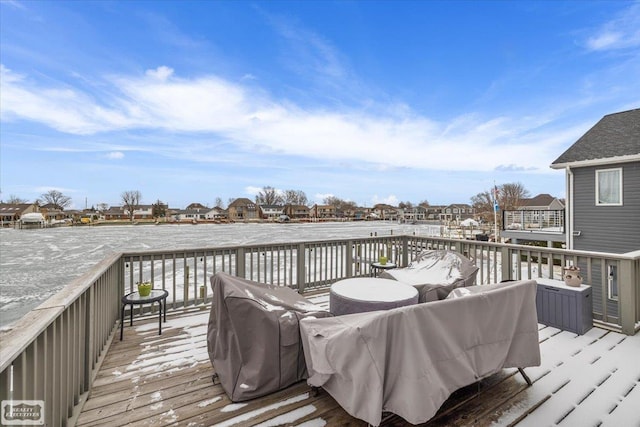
(607, 228)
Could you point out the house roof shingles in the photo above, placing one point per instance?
(242, 202)
(539, 200)
(615, 135)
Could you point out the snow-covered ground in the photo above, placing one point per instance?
(37, 263)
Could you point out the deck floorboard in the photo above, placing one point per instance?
(161, 380)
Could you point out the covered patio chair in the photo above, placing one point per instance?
(435, 273)
(253, 336)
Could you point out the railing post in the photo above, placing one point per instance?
(348, 258)
(628, 294)
(301, 267)
(90, 338)
(405, 251)
(458, 247)
(187, 278)
(505, 262)
(240, 263)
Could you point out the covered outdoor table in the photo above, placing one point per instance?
(409, 360)
(435, 273)
(363, 294)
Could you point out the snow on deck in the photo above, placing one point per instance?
(147, 379)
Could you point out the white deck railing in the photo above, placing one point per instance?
(53, 353)
(522, 219)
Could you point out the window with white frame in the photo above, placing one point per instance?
(609, 187)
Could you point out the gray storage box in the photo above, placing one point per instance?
(563, 306)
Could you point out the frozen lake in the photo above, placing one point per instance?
(35, 264)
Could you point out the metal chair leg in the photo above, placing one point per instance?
(526, 377)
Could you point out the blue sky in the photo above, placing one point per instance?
(187, 101)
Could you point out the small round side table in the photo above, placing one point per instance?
(156, 295)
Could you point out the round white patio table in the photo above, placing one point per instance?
(362, 294)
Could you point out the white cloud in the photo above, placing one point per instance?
(253, 191)
(620, 33)
(15, 3)
(389, 200)
(230, 113)
(307, 52)
(115, 155)
(46, 189)
(319, 197)
(161, 73)
(62, 108)
(603, 40)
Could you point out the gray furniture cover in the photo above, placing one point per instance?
(253, 336)
(434, 273)
(360, 294)
(409, 360)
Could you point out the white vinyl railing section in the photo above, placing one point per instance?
(54, 352)
(541, 220)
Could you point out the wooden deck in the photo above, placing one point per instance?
(152, 380)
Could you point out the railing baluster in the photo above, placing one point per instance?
(65, 372)
(195, 278)
(173, 281)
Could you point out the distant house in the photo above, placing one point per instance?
(196, 206)
(433, 212)
(242, 209)
(415, 213)
(541, 202)
(457, 212)
(323, 211)
(216, 213)
(10, 213)
(53, 214)
(143, 212)
(122, 213)
(73, 215)
(384, 211)
(115, 213)
(271, 212)
(196, 214)
(603, 185)
(354, 213)
(296, 211)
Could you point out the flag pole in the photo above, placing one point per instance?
(495, 220)
(495, 212)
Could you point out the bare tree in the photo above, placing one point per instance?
(103, 207)
(405, 205)
(339, 204)
(131, 201)
(15, 200)
(482, 204)
(511, 195)
(55, 198)
(295, 197)
(269, 196)
(219, 203)
(424, 203)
